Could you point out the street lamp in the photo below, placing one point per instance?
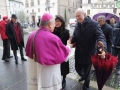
(49, 5)
(70, 11)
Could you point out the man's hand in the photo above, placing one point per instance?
(102, 52)
(69, 43)
(73, 44)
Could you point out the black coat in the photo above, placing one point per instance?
(10, 32)
(86, 35)
(116, 36)
(108, 32)
(64, 36)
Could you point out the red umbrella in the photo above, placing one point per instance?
(103, 67)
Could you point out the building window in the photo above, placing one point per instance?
(114, 10)
(27, 11)
(89, 1)
(70, 10)
(0, 16)
(32, 10)
(32, 3)
(45, 9)
(38, 9)
(46, 1)
(26, 5)
(88, 12)
(75, 4)
(38, 2)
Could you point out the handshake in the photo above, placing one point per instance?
(102, 52)
(69, 43)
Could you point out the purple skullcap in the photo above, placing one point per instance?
(46, 17)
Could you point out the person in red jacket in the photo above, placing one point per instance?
(6, 43)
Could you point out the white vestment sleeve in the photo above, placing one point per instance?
(69, 52)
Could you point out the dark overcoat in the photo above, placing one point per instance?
(64, 36)
(116, 36)
(108, 32)
(86, 35)
(10, 32)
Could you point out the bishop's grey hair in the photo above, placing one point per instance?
(45, 23)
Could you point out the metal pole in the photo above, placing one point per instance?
(49, 5)
(49, 8)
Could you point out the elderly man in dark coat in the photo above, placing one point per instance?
(116, 45)
(108, 32)
(86, 34)
(15, 34)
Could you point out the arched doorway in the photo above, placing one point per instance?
(33, 21)
(33, 18)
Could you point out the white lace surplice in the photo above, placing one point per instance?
(40, 77)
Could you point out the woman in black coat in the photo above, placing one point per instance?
(64, 35)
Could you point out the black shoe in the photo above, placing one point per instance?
(6, 60)
(23, 59)
(81, 79)
(84, 88)
(63, 84)
(10, 57)
(16, 62)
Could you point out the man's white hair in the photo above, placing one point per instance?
(80, 10)
(102, 17)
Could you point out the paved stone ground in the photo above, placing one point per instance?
(13, 77)
(113, 82)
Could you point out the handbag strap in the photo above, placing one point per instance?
(33, 47)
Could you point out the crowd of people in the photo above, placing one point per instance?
(12, 35)
(48, 47)
(40, 48)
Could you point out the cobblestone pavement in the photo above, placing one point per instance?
(113, 82)
(13, 77)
